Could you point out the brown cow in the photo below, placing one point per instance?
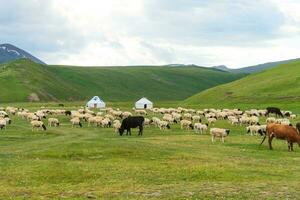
(283, 132)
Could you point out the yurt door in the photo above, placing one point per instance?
(145, 106)
(95, 105)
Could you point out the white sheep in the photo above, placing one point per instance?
(53, 122)
(117, 125)
(196, 118)
(254, 130)
(162, 125)
(219, 132)
(200, 128)
(211, 121)
(75, 122)
(186, 124)
(2, 123)
(37, 125)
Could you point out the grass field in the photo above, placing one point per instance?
(96, 163)
(21, 78)
(278, 86)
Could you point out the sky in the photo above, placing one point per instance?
(235, 33)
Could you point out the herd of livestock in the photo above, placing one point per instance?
(276, 125)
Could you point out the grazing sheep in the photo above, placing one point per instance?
(105, 123)
(271, 120)
(162, 125)
(147, 122)
(53, 122)
(117, 125)
(200, 128)
(219, 132)
(187, 116)
(211, 121)
(126, 114)
(2, 123)
(155, 121)
(37, 125)
(196, 118)
(75, 122)
(141, 112)
(186, 124)
(254, 129)
(293, 116)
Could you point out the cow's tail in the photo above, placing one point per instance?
(263, 139)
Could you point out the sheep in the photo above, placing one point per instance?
(126, 114)
(162, 125)
(75, 121)
(187, 116)
(155, 121)
(200, 128)
(37, 125)
(196, 118)
(141, 112)
(219, 132)
(211, 121)
(234, 121)
(254, 129)
(186, 124)
(169, 118)
(271, 120)
(53, 121)
(254, 120)
(117, 125)
(293, 116)
(3, 123)
(105, 123)
(176, 116)
(147, 122)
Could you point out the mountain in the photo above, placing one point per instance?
(223, 68)
(10, 52)
(280, 84)
(261, 67)
(24, 80)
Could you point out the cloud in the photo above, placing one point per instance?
(133, 32)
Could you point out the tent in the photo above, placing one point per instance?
(95, 102)
(143, 103)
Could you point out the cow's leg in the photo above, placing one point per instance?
(141, 130)
(291, 144)
(270, 141)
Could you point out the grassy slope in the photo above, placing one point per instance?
(22, 77)
(278, 86)
(66, 163)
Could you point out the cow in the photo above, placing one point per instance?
(298, 127)
(274, 110)
(283, 132)
(132, 122)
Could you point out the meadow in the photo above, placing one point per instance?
(96, 163)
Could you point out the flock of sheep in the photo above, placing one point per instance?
(162, 118)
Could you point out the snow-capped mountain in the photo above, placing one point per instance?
(10, 52)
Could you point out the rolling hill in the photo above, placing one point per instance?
(278, 85)
(9, 52)
(22, 79)
(255, 68)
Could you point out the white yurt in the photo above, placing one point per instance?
(143, 103)
(95, 102)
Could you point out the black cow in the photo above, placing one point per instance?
(298, 126)
(274, 110)
(132, 122)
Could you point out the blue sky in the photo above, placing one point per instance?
(235, 33)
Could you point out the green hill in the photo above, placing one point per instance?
(278, 85)
(21, 78)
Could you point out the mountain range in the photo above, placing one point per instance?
(9, 52)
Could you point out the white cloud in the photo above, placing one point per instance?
(132, 32)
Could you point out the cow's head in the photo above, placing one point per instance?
(121, 131)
